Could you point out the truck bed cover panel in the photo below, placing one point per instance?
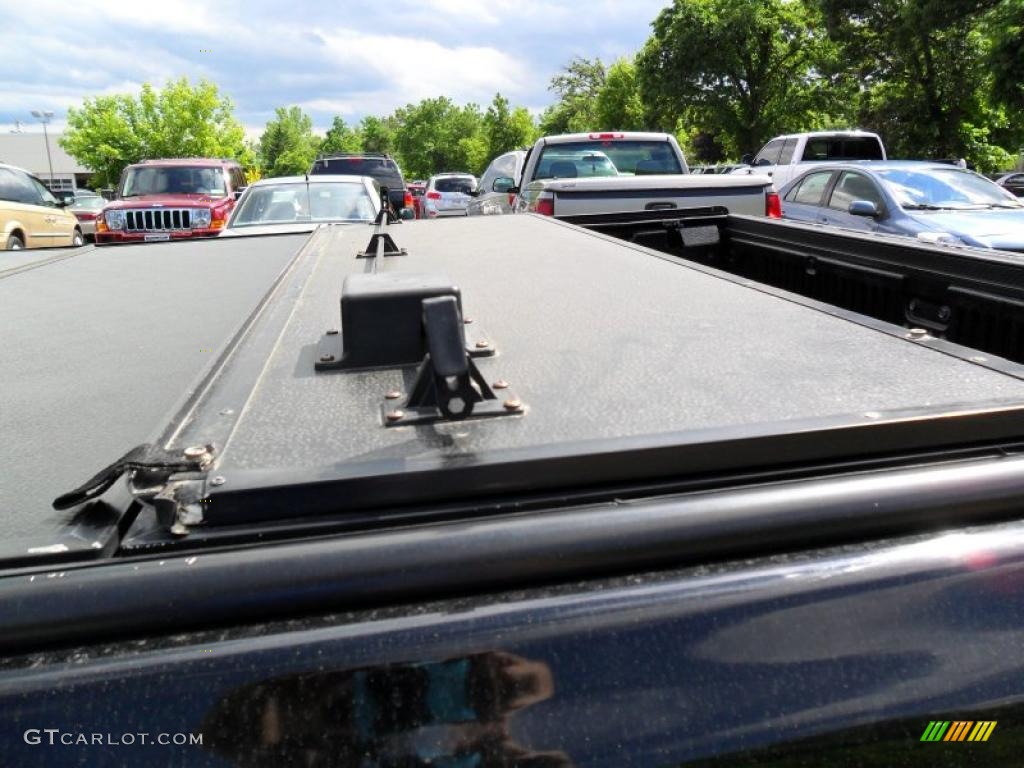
(98, 349)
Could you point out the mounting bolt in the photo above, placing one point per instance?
(326, 358)
(332, 332)
(500, 384)
(195, 452)
(395, 415)
(393, 395)
(513, 405)
(218, 480)
(482, 344)
(917, 333)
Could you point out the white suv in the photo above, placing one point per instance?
(448, 194)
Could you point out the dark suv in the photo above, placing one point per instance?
(381, 167)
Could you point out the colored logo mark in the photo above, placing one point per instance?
(958, 730)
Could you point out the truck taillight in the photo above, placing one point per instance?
(773, 206)
(545, 205)
(606, 135)
(408, 199)
(433, 195)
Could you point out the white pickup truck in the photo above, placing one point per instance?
(613, 172)
(784, 157)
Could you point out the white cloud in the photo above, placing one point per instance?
(360, 57)
(426, 68)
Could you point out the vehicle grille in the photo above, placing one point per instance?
(158, 219)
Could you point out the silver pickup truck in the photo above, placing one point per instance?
(614, 172)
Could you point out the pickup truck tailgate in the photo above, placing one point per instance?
(738, 194)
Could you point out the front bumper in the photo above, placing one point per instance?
(118, 236)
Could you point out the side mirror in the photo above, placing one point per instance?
(747, 159)
(863, 208)
(473, 192)
(502, 184)
(239, 191)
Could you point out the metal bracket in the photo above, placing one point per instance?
(448, 385)
(330, 353)
(381, 243)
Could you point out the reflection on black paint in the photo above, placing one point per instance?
(448, 714)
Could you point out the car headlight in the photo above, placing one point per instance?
(114, 219)
(200, 218)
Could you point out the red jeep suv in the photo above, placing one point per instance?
(171, 199)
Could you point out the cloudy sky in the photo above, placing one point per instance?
(347, 58)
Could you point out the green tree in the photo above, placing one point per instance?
(378, 134)
(507, 128)
(924, 82)
(287, 146)
(1006, 54)
(577, 88)
(341, 138)
(180, 120)
(437, 135)
(619, 106)
(741, 70)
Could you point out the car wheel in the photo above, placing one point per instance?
(15, 243)
(77, 239)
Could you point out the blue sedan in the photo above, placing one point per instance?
(929, 201)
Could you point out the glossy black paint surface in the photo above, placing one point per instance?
(839, 657)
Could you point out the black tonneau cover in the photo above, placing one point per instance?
(630, 365)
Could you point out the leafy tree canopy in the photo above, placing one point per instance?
(743, 70)
(288, 146)
(180, 120)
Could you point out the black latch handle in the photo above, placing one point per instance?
(146, 456)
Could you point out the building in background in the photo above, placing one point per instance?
(28, 151)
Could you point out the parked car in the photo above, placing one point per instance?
(417, 189)
(87, 206)
(494, 195)
(171, 199)
(448, 194)
(932, 202)
(1014, 182)
(299, 204)
(784, 157)
(585, 174)
(30, 216)
(381, 167)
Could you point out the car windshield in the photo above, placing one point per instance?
(945, 188)
(298, 202)
(464, 184)
(89, 202)
(609, 157)
(842, 148)
(160, 180)
(356, 166)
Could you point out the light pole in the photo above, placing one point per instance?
(44, 118)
